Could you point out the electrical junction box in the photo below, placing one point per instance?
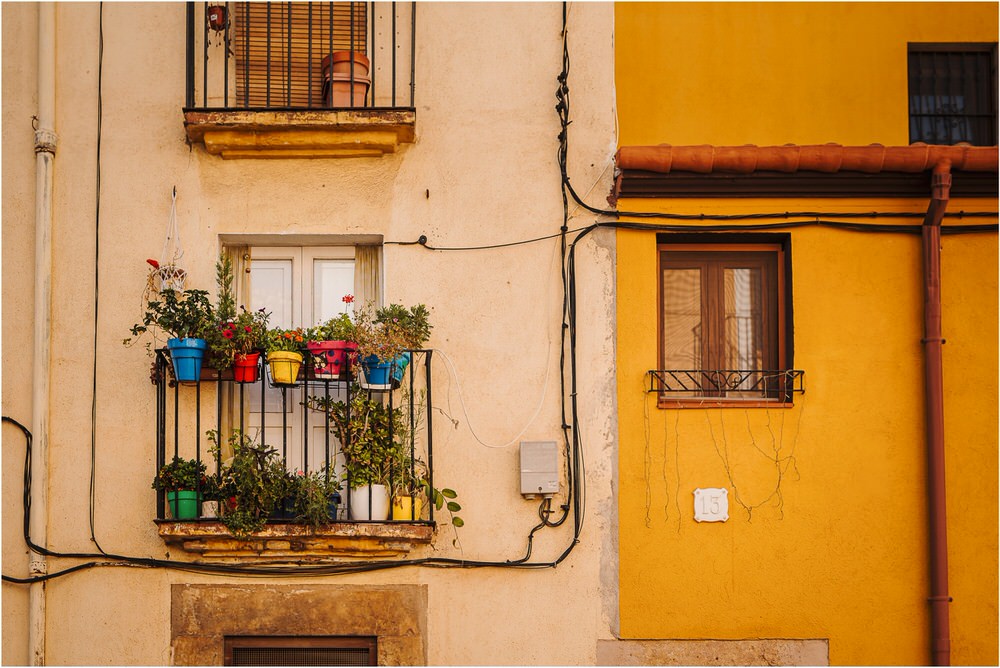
(539, 468)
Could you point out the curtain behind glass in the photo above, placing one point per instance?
(368, 275)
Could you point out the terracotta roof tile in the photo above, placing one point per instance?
(829, 158)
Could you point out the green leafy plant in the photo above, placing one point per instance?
(388, 331)
(365, 428)
(188, 314)
(288, 340)
(180, 475)
(312, 496)
(241, 336)
(254, 479)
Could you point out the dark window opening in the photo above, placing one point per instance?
(953, 93)
(300, 651)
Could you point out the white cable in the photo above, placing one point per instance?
(465, 411)
(541, 401)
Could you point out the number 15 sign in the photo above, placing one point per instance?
(711, 504)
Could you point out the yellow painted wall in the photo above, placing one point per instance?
(771, 73)
(836, 544)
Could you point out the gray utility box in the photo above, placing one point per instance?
(539, 468)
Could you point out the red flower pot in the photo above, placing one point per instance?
(245, 368)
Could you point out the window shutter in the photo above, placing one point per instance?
(279, 48)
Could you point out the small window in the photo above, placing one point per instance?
(953, 93)
(300, 651)
(724, 322)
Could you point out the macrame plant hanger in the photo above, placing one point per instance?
(171, 274)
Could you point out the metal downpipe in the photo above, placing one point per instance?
(934, 400)
(45, 149)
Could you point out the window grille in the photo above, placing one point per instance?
(300, 651)
(953, 93)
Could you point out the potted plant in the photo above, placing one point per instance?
(253, 479)
(365, 428)
(384, 335)
(316, 495)
(185, 316)
(241, 340)
(331, 342)
(283, 354)
(182, 480)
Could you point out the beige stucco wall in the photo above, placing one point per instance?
(485, 152)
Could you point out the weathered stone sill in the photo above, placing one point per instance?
(300, 543)
(346, 133)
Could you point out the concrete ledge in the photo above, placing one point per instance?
(298, 543)
(349, 133)
(754, 652)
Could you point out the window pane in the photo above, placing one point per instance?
(332, 279)
(682, 319)
(743, 316)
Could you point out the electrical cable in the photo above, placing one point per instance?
(97, 276)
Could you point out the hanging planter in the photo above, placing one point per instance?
(284, 366)
(246, 367)
(331, 357)
(187, 355)
(380, 375)
(168, 274)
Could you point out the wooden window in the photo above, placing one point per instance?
(953, 93)
(722, 321)
(300, 651)
(279, 48)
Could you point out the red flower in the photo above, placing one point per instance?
(228, 333)
(248, 328)
(348, 299)
(153, 263)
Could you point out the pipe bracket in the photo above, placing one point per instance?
(45, 141)
(38, 567)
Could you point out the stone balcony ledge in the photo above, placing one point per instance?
(210, 541)
(319, 133)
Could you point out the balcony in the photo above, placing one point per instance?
(300, 79)
(301, 423)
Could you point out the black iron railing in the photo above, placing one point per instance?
(304, 433)
(777, 385)
(300, 55)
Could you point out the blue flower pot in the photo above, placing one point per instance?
(186, 355)
(400, 367)
(382, 373)
(376, 372)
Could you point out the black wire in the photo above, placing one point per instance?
(97, 276)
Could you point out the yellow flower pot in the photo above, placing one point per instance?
(284, 366)
(407, 508)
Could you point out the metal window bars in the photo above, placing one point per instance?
(772, 385)
(182, 418)
(296, 56)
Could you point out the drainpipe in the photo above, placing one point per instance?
(45, 150)
(934, 394)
